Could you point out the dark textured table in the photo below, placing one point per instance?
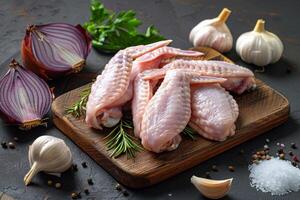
(174, 18)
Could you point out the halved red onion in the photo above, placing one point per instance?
(24, 97)
(56, 49)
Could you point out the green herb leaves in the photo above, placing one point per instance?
(78, 108)
(112, 32)
(120, 142)
(190, 133)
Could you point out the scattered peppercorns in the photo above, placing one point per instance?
(118, 187)
(282, 156)
(254, 157)
(75, 195)
(296, 159)
(266, 147)
(84, 165)
(50, 183)
(125, 193)
(280, 151)
(58, 185)
(255, 162)
(90, 181)
(86, 191)
(74, 168)
(11, 145)
(293, 145)
(231, 168)
(4, 145)
(214, 168)
(294, 164)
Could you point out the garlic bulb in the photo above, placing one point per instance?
(259, 46)
(48, 154)
(213, 189)
(213, 33)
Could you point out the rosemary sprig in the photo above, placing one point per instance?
(189, 132)
(79, 107)
(121, 142)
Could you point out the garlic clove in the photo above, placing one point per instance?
(48, 154)
(213, 189)
(259, 47)
(213, 33)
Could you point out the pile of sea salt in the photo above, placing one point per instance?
(276, 176)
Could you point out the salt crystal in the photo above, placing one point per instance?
(276, 176)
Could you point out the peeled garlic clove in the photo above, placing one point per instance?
(213, 33)
(48, 154)
(259, 46)
(213, 189)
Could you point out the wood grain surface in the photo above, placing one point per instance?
(260, 111)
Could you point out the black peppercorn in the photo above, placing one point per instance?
(4, 145)
(74, 168)
(280, 151)
(84, 165)
(118, 187)
(293, 145)
(86, 191)
(125, 193)
(294, 164)
(90, 181)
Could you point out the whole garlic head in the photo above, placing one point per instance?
(259, 46)
(213, 33)
(48, 154)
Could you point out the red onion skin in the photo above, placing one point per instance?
(30, 62)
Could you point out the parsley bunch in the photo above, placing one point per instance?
(112, 32)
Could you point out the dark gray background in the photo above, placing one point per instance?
(174, 18)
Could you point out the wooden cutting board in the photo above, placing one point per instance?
(260, 111)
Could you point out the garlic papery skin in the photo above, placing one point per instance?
(48, 154)
(212, 189)
(213, 33)
(259, 46)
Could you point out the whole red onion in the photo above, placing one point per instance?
(24, 97)
(56, 49)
